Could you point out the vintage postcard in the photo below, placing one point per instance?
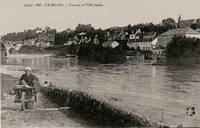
(100, 63)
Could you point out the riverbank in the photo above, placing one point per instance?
(45, 114)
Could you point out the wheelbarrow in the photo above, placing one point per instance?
(26, 96)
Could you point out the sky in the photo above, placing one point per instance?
(15, 17)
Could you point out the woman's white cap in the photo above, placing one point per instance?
(28, 68)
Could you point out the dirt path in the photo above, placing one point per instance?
(46, 113)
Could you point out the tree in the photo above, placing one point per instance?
(182, 49)
(168, 21)
(72, 49)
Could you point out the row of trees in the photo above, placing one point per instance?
(20, 36)
(183, 50)
(97, 53)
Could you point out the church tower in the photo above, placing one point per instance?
(179, 19)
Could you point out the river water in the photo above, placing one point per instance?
(158, 92)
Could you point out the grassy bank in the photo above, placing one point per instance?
(95, 108)
(7, 82)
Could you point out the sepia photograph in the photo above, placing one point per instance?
(100, 63)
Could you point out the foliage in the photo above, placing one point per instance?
(63, 37)
(26, 49)
(97, 53)
(97, 109)
(168, 21)
(195, 26)
(20, 36)
(183, 49)
(3, 50)
(72, 49)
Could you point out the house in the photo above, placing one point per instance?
(158, 52)
(29, 42)
(165, 38)
(153, 43)
(9, 43)
(49, 35)
(112, 44)
(96, 40)
(71, 41)
(39, 42)
(188, 23)
(46, 38)
(118, 36)
(68, 30)
(117, 33)
(142, 41)
(38, 30)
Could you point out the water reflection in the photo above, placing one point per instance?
(46, 62)
(3, 60)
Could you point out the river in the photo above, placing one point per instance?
(158, 92)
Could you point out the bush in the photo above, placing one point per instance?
(27, 49)
(96, 109)
(183, 51)
(97, 53)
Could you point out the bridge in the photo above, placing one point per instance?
(11, 47)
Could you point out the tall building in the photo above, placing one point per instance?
(192, 23)
(165, 38)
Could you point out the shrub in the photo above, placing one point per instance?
(97, 109)
(28, 49)
(97, 53)
(183, 51)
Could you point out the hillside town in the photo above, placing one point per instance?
(134, 37)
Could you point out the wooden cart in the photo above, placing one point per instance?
(26, 96)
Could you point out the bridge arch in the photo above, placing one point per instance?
(12, 50)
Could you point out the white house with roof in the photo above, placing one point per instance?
(165, 38)
(112, 44)
(142, 41)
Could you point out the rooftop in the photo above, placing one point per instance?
(109, 42)
(188, 22)
(180, 31)
(158, 47)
